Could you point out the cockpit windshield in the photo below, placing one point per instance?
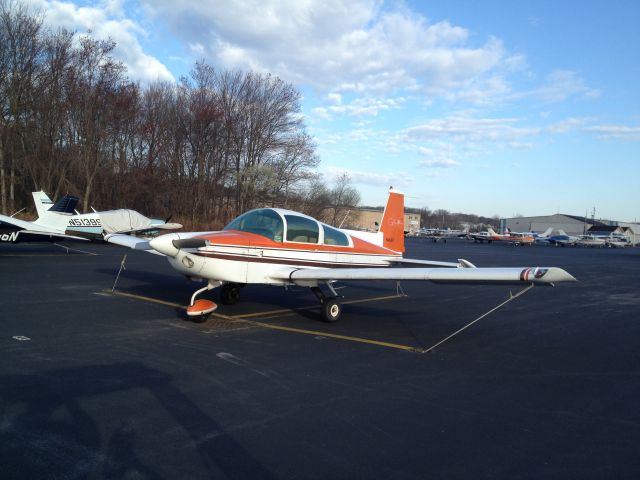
(263, 221)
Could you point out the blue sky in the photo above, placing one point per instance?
(492, 107)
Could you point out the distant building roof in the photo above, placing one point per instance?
(590, 221)
(603, 228)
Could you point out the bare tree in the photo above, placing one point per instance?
(93, 84)
(48, 165)
(343, 198)
(71, 121)
(20, 48)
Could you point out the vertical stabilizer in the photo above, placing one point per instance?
(42, 201)
(392, 224)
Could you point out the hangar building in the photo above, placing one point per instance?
(571, 224)
(367, 219)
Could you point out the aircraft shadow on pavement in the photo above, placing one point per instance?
(65, 413)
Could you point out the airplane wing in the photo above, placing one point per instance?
(152, 228)
(130, 241)
(138, 243)
(462, 263)
(502, 275)
(37, 236)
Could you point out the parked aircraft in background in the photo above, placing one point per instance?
(542, 237)
(511, 237)
(442, 234)
(60, 221)
(480, 237)
(590, 241)
(617, 241)
(281, 247)
(562, 239)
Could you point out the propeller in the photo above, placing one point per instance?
(171, 244)
(189, 243)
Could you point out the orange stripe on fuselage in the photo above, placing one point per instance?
(235, 238)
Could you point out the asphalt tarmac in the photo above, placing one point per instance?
(95, 384)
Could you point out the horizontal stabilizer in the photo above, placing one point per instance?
(66, 204)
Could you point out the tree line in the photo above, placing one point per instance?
(203, 149)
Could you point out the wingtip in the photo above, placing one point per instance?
(557, 275)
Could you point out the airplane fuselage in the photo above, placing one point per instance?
(242, 257)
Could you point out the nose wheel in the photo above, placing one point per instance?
(199, 310)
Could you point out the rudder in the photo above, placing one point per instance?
(392, 224)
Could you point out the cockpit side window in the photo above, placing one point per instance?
(263, 222)
(302, 229)
(333, 236)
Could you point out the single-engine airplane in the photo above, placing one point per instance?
(281, 247)
(515, 238)
(60, 221)
(563, 239)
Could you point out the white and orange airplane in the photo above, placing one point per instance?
(282, 247)
(516, 238)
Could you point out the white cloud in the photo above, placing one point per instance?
(566, 126)
(560, 85)
(106, 20)
(620, 132)
(439, 163)
(397, 179)
(464, 128)
(335, 45)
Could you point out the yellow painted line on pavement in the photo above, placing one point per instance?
(155, 300)
(336, 336)
(287, 311)
(245, 319)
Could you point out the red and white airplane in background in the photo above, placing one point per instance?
(517, 238)
(281, 247)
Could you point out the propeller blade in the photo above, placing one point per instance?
(189, 243)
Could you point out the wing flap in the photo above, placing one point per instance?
(462, 263)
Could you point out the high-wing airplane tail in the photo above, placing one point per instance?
(392, 224)
(49, 214)
(43, 203)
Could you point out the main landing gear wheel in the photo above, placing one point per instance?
(329, 305)
(331, 310)
(229, 294)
